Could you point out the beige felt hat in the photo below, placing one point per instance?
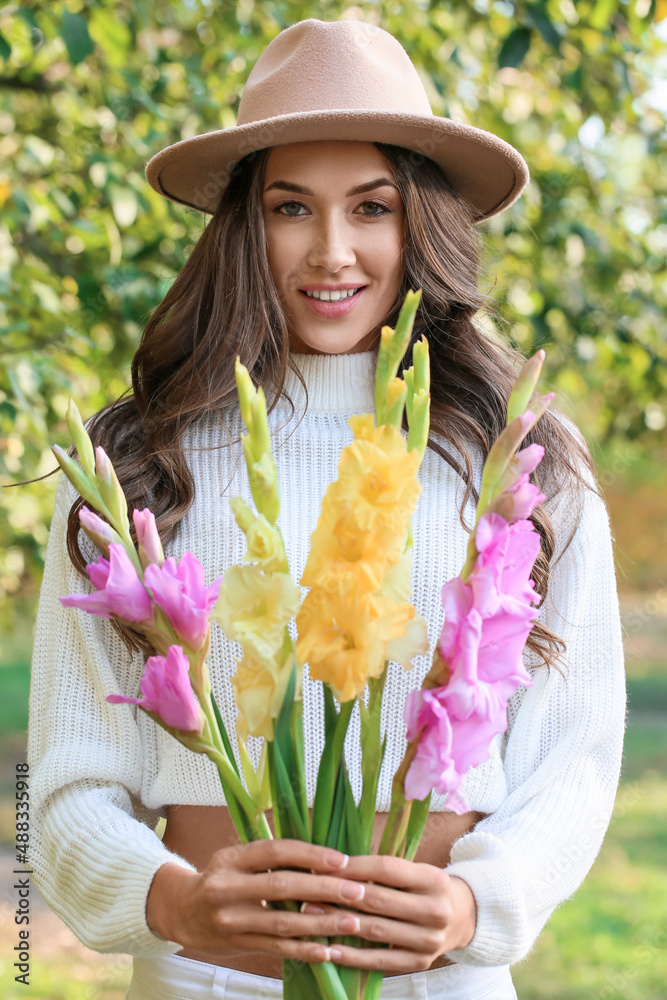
(340, 80)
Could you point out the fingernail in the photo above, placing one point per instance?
(311, 908)
(353, 890)
(336, 954)
(336, 859)
(348, 924)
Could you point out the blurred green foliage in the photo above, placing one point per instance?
(91, 89)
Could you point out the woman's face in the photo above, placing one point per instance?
(322, 234)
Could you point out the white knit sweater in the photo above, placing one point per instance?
(101, 774)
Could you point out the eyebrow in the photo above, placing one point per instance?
(360, 189)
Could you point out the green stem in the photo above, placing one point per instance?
(249, 822)
(297, 735)
(328, 981)
(394, 834)
(124, 533)
(371, 755)
(231, 780)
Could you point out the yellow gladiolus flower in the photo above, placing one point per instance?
(254, 608)
(344, 637)
(404, 648)
(397, 583)
(358, 569)
(259, 694)
(340, 550)
(265, 546)
(377, 478)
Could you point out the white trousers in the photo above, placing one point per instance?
(177, 978)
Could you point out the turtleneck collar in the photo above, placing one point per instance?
(337, 383)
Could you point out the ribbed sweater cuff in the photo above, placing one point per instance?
(501, 934)
(142, 940)
(97, 877)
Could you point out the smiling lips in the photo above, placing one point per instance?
(346, 298)
(350, 286)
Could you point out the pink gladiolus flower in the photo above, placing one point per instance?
(487, 621)
(529, 458)
(147, 535)
(433, 767)
(167, 691)
(92, 522)
(99, 572)
(120, 591)
(526, 497)
(507, 553)
(102, 464)
(181, 593)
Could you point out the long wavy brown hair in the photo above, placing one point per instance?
(224, 303)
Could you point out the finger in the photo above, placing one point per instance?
(315, 888)
(435, 910)
(262, 855)
(287, 924)
(396, 872)
(394, 932)
(388, 959)
(294, 885)
(304, 951)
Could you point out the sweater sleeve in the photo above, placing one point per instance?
(93, 860)
(562, 757)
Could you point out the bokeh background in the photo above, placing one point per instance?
(89, 91)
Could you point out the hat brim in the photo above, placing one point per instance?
(487, 171)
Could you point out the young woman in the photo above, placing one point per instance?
(322, 219)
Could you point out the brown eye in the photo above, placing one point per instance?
(384, 210)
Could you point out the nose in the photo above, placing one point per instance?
(332, 247)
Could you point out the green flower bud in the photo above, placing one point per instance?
(79, 434)
(77, 477)
(524, 387)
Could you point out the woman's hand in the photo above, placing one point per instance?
(223, 910)
(417, 909)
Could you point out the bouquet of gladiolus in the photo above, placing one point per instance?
(355, 618)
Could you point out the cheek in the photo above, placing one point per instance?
(387, 252)
(282, 252)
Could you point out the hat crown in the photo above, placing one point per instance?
(332, 65)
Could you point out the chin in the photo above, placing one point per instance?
(335, 342)
(332, 345)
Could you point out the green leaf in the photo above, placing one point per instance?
(112, 35)
(74, 33)
(416, 824)
(371, 756)
(286, 769)
(356, 840)
(328, 773)
(574, 80)
(282, 726)
(5, 47)
(299, 754)
(244, 827)
(284, 800)
(514, 48)
(249, 773)
(282, 733)
(223, 734)
(536, 14)
(330, 710)
(336, 835)
(274, 790)
(602, 13)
